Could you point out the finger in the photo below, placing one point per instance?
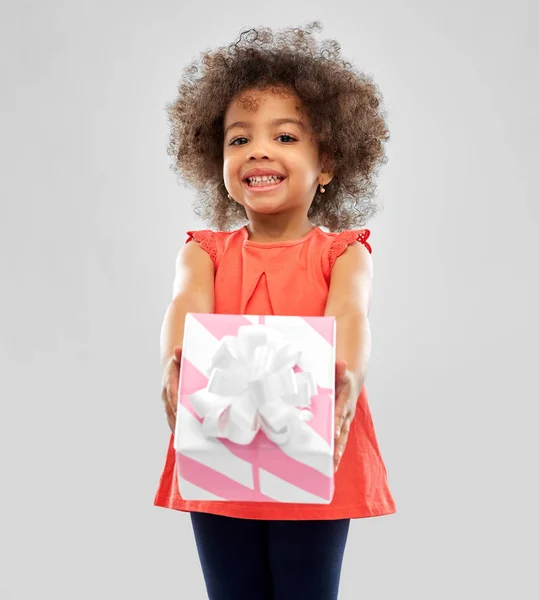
(337, 462)
(177, 354)
(340, 443)
(341, 378)
(340, 446)
(168, 394)
(172, 424)
(172, 397)
(340, 419)
(171, 419)
(340, 369)
(341, 364)
(172, 384)
(342, 412)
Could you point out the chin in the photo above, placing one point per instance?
(264, 207)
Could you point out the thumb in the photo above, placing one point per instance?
(340, 368)
(177, 353)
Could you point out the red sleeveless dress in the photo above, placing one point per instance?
(288, 278)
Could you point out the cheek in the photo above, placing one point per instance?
(231, 165)
(231, 177)
(305, 170)
(228, 170)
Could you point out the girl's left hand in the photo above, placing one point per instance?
(346, 395)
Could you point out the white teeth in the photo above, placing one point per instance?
(264, 179)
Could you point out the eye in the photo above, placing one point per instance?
(287, 135)
(290, 138)
(233, 142)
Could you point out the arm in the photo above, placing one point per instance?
(349, 301)
(192, 292)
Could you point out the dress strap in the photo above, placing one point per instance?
(207, 240)
(341, 241)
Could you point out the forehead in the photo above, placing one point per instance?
(260, 103)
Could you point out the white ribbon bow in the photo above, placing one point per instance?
(253, 386)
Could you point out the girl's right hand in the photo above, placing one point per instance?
(169, 393)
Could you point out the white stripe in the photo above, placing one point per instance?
(317, 355)
(282, 491)
(199, 345)
(190, 491)
(310, 449)
(190, 441)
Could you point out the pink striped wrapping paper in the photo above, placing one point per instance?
(298, 470)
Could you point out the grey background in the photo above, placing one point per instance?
(92, 219)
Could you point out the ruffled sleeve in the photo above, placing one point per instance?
(341, 241)
(207, 241)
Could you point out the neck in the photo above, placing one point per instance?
(277, 228)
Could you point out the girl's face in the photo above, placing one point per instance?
(266, 136)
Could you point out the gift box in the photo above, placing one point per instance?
(256, 404)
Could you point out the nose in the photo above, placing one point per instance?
(257, 156)
(257, 153)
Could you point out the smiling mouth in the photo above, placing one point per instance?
(262, 184)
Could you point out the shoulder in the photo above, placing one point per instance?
(350, 278)
(353, 268)
(340, 241)
(194, 270)
(194, 258)
(213, 243)
(349, 248)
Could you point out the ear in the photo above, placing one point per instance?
(326, 172)
(325, 177)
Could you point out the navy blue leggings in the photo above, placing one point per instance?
(246, 559)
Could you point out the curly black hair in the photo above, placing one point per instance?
(343, 105)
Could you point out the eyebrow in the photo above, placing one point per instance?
(247, 124)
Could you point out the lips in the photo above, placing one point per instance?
(264, 186)
(260, 172)
(257, 181)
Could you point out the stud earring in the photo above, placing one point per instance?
(322, 189)
(229, 197)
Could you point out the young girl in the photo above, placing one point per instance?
(280, 137)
